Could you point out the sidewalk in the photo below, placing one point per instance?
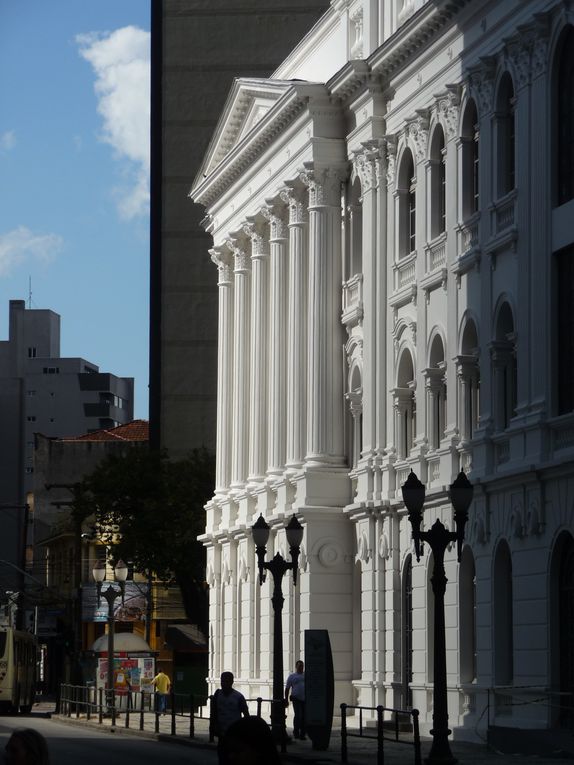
(360, 751)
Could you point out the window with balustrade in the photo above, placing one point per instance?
(437, 183)
(505, 135)
(406, 200)
(470, 161)
(564, 118)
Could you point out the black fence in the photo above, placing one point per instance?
(386, 730)
(76, 700)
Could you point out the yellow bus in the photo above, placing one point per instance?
(17, 670)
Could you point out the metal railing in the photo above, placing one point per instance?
(383, 726)
(76, 700)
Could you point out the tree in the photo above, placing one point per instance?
(155, 507)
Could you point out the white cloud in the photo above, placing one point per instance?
(121, 62)
(7, 140)
(21, 245)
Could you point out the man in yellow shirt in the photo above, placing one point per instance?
(162, 685)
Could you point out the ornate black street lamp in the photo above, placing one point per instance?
(278, 566)
(110, 595)
(438, 538)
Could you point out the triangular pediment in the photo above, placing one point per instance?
(247, 104)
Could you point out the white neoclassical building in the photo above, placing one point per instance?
(392, 216)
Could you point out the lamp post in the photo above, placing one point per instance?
(438, 537)
(110, 595)
(278, 566)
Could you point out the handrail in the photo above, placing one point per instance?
(380, 734)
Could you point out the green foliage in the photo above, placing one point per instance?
(154, 508)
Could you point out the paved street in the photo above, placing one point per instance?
(80, 741)
(73, 744)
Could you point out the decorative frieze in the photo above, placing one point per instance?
(448, 108)
(417, 132)
(481, 83)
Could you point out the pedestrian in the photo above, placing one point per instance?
(227, 707)
(249, 741)
(162, 685)
(26, 747)
(296, 684)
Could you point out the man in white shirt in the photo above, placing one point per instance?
(296, 684)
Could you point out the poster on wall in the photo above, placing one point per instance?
(132, 609)
(129, 674)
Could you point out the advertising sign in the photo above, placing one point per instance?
(131, 610)
(129, 674)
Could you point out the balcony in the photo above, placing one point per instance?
(353, 300)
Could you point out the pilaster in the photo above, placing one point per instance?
(222, 258)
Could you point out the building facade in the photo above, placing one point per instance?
(42, 392)
(391, 215)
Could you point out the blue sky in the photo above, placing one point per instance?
(74, 175)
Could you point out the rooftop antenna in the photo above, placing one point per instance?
(29, 292)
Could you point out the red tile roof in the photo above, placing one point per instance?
(137, 430)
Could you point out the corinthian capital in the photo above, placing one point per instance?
(275, 214)
(242, 262)
(481, 81)
(223, 261)
(417, 130)
(254, 230)
(324, 185)
(294, 198)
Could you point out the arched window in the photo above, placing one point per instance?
(505, 135)
(565, 119)
(405, 407)
(438, 183)
(561, 597)
(406, 205)
(502, 616)
(505, 370)
(436, 393)
(467, 616)
(407, 633)
(468, 373)
(564, 330)
(355, 231)
(470, 161)
(355, 399)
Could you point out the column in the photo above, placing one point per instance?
(367, 163)
(277, 338)
(241, 320)
(221, 257)
(296, 328)
(258, 347)
(325, 358)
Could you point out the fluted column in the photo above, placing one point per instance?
(258, 364)
(296, 329)
(241, 328)
(325, 357)
(277, 338)
(222, 258)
